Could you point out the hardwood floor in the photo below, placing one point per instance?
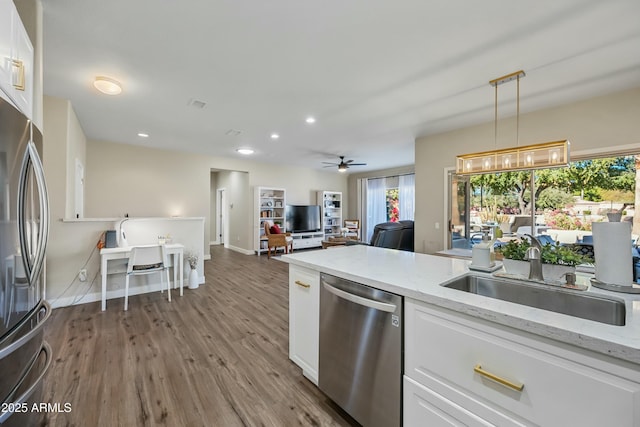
(218, 356)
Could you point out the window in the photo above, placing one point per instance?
(389, 199)
(565, 200)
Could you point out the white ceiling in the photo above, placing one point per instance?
(375, 73)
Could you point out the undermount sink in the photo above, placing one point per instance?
(573, 303)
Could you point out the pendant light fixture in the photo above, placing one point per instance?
(536, 156)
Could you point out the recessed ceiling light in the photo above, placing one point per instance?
(107, 85)
(310, 120)
(275, 136)
(143, 135)
(245, 151)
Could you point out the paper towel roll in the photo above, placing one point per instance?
(612, 250)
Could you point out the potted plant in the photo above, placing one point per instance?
(490, 215)
(557, 259)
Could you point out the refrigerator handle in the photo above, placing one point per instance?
(40, 314)
(43, 196)
(31, 162)
(46, 349)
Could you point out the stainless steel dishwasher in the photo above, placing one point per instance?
(361, 351)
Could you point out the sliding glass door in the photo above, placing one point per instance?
(459, 212)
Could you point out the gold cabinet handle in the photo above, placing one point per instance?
(304, 285)
(20, 65)
(515, 386)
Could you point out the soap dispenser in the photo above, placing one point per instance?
(482, 254)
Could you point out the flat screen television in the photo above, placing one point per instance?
(303, 218)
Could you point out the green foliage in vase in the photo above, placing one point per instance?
(551, 253)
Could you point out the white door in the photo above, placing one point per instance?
(221, 212)
(79, 190)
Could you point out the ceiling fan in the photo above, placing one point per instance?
(343, 166)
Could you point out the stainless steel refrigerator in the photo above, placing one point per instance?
(24, 226)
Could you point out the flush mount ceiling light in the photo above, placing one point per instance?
(245, 151)
(536, 156)
(310, 120)
(275, 136)
(107, 85)
(143, 135)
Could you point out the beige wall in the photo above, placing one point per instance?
(238, 203)
(145, 182)
(70, 245)
(593, 125)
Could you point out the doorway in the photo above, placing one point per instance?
(222, 228)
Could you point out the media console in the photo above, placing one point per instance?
(307, 240)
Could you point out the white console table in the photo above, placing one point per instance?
(307, 240)
(175, 250)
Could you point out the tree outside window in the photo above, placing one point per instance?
(393, 205)
(586, 191)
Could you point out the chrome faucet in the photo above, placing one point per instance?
(534, 256)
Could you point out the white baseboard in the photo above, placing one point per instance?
(118, 294)
(241, 250)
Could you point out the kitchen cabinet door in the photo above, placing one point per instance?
(22, 70)
(304, 319)
(498, 374)
(424, 407)
(6, 41)
(16, 59)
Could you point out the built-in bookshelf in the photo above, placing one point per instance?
(269, 205)
(331, 211)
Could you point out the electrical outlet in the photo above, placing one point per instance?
(82, 275)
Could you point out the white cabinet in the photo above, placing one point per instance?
(453, 362)
(304, 319)
(424, 407)
(269, 206)
(16, 59)
(307, 240)
(331, 211)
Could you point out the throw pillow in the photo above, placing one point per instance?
(275, 229)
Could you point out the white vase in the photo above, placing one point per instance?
(520, 268)
(194, 280)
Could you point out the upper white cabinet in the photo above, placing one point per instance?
(16, 59)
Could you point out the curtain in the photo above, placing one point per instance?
(376, 205)
(406, 196)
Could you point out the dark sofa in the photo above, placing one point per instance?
(393, 235)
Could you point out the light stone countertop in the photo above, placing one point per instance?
(419, 276)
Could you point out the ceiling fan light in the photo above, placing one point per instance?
(342, 167)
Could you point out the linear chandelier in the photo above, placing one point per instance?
(535, 156)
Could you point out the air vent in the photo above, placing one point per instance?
(196, 103)
(233, 132)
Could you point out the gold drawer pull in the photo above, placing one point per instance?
(20, 65)
(515, 386)
(304, 285)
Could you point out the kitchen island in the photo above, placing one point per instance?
(573, 371)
